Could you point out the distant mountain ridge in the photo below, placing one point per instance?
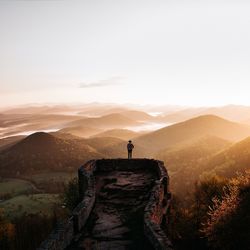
(236, 113)
(81, 131)
(64, 152)
(115, 120)
(193, 129)
(123, 134)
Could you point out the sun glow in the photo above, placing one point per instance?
(155, 54)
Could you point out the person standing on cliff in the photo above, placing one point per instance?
(130, 148)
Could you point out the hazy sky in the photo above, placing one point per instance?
(138, 51)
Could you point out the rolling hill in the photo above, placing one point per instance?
(81, 131)
(191, 130)
(32, 119)
(186, 162)
(101, 109)
(192, 154)
(123, 134)
(9, 141)
(181, 115)
(235, 113)
(43, 152)
(112, 147)
(22, 124)
(138, 115)
(110, 121)
(108, 147)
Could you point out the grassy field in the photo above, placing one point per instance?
(51, 177)
(18, 197)
(14, 187)
(30, 204)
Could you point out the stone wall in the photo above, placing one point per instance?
(155, 211)
(63, 235)
(87, 194)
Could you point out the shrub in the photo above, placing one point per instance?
(70, 196)
(228, 225)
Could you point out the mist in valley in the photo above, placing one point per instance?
(79, 79)
(40, 154)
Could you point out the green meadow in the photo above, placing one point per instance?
(30, 204)
(14, 187)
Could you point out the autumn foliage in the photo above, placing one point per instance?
(228, 224)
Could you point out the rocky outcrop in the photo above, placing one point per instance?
(124, 203)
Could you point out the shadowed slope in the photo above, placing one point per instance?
(232, 160)
(193, 154)
(42, 151)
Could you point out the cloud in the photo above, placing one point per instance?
(116, 80)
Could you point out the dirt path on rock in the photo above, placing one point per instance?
(116, 222)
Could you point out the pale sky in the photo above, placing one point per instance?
(186, 52)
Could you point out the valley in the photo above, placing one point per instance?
(40, 154)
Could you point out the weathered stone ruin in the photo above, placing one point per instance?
(124, 205)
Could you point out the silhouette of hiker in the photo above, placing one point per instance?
(130, 147)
